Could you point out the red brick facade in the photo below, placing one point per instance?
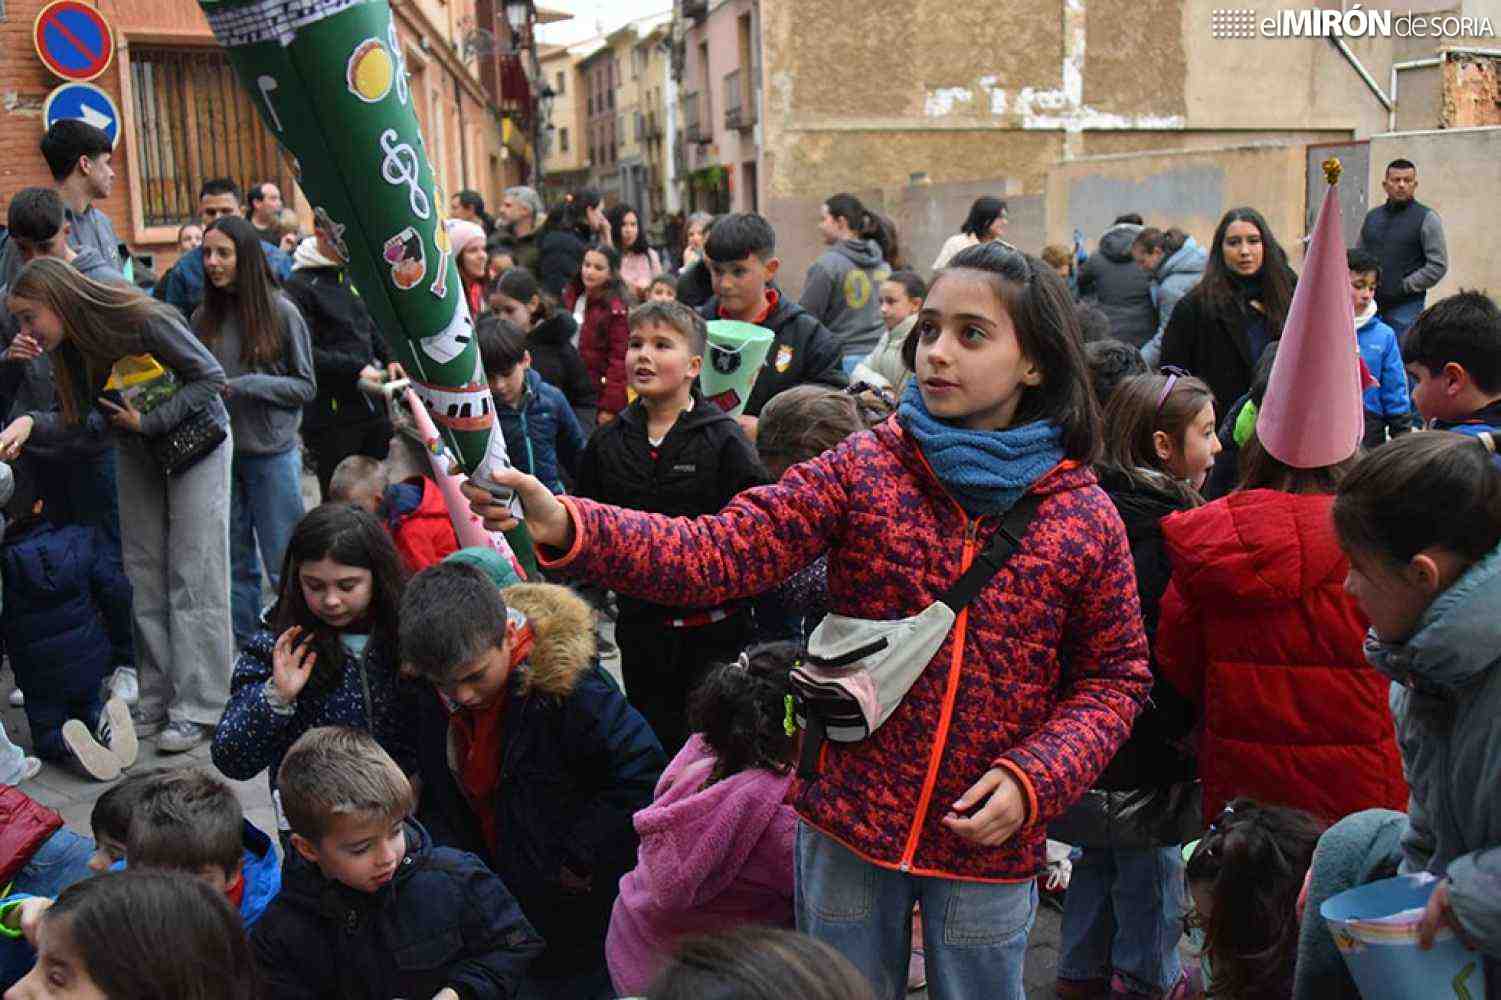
(183, 120)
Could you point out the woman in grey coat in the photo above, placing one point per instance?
(175, 529)
(1175, 262)
(261, 340)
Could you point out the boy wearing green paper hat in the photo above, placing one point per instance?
(741, 255)
(670, 452)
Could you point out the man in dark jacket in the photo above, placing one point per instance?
(1407, 237)
(182, 286)
(522, 213)
(369, 907)
(530, 757)
(741, 253)
(348, 355)
(1112, 280)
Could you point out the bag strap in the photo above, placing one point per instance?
(988, 563)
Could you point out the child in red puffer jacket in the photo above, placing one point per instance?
(601, 305)
(1035, 686)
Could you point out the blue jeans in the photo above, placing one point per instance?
(1399, 318)
(974, 933)
(62, 860)
(265, 505)
(1124, 914)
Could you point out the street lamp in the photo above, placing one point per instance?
(541, 119)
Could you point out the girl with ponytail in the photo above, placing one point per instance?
(843, 285)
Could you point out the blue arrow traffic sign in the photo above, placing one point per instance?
(73, 40)
(86, 103)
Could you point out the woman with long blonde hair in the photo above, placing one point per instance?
(174, 528)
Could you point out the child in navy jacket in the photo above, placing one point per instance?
(327, 652)
(371, 908)
(542, 434)
(66, 621)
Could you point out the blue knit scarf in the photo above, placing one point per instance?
(986, 471)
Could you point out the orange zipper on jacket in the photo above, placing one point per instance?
(951, 692)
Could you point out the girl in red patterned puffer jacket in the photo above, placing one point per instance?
(1032, 691)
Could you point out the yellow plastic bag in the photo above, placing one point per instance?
(143, 381)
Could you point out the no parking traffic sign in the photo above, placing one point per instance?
(86, 103)
(73, 40)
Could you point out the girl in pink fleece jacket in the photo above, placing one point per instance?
(717, 841)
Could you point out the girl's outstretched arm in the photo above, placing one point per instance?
(761, 537)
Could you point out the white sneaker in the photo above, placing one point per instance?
(124, 685)
(17, 699)
(116, 731)
(180, 737)
(94, 758)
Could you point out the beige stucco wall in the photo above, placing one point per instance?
(567, 112)
(1190, 190)
(1271, 83)
(1459, 174)
(1071, 109)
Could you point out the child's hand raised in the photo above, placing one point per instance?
(994, 823)
(292, 663)
(546, 518)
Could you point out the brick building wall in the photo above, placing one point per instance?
(185, 118)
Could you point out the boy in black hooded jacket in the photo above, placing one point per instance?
(670, 452)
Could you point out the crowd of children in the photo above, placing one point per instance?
(1234, 603)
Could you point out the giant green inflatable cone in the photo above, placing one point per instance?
(328, 79)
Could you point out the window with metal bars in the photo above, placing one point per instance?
(193, 122)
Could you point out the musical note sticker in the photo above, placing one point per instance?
(399, 167)
(267, 84)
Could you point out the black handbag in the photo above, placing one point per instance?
(187, 444)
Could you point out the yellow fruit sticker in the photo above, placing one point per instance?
(370, 72)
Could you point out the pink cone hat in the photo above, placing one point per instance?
(1312, 415)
